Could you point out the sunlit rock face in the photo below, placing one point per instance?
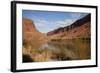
(78, 29)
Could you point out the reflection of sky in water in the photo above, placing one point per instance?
(47, 46)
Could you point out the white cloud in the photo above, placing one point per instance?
(64, 23)
(77, 15)
(41, 23)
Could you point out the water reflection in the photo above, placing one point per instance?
(78, 49)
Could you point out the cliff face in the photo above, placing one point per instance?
(31, 34)
(80, 28)
(28, 29)
(32, 40)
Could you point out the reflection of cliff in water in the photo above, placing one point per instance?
(78, 49)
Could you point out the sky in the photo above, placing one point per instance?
(46, 21)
